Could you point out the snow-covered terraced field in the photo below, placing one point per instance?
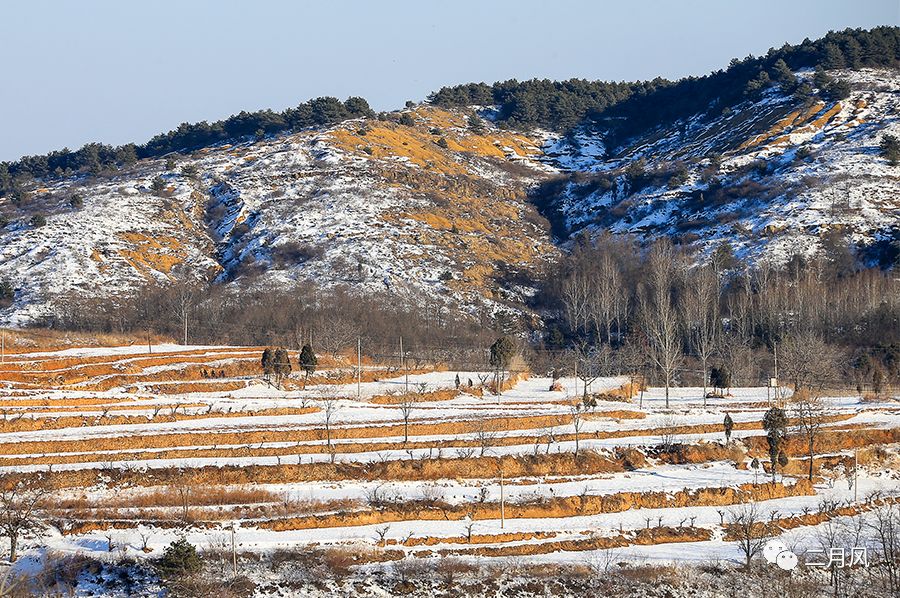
(450, 471)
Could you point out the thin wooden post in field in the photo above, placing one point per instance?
(502, 501)
(233, 551)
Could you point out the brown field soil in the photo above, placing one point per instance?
(551, 507)
(55, 423)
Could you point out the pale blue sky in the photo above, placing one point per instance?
(118, 70)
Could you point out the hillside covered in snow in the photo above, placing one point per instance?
(421, 206)
(770, 177)
(467, 199)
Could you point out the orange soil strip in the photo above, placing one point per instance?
(643, 537)
(183, 387)
(777, 526)
(475, 539)
(73, 403)
(570, 506)
(97, 408)
(827, 441)
(139, 441)
(777, 128)
(445, 394)
(62, 422)
(422, 469)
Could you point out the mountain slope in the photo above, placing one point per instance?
(427, 210)
(432, 206)
(769, 176)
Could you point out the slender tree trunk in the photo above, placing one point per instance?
(668, 381)
(811, 443)
(705, 375)
(13, 545)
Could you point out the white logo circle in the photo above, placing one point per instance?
(787, 560)
(772, 549)
(776, 553)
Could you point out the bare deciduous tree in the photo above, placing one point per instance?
(335, 335)
(658, 314)
(329, 408)
(592, 363)
(885, 525)
(750, 531)
(407, 404)
(807, 360)
(486, 434)
(20, 513)
(700, 314)
(810, 414)
(577, 423)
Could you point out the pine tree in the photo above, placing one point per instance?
(7, 293)
(308, 362)
(784, 76)
(838, 89)
(281, 365)
(476, 125)
(833, 58)
(179, 559)
(158, 186)
(775, 425)
(502, 352)
(268, 360)
(890, 148)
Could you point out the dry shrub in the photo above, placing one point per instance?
(206, 586)
(654, 575)
(444, 394)
(679, 454)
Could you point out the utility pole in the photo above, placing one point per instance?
(149, 346)
(502, 501)
(403, 363)
(358, 367)
(855, 474)
(233, 551)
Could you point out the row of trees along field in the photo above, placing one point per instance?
(659, 311)
(610, 307)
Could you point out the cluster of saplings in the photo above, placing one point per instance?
(677, 317)
(276, 364)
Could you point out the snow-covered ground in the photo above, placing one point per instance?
(527, 424)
